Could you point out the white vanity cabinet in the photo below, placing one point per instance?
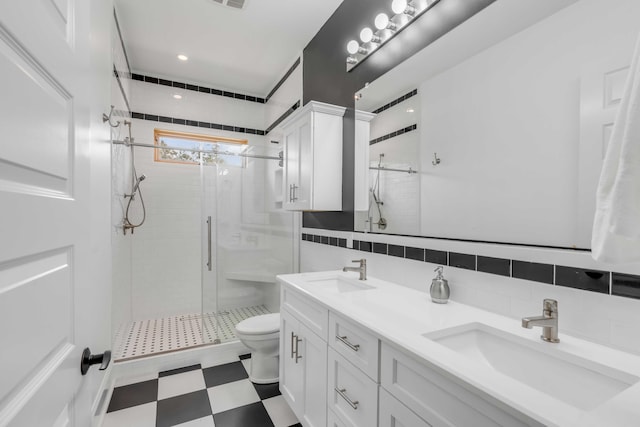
(312, 139)
(303, 358)
(432, 395)
(394, 414)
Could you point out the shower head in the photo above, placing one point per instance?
(140, 179)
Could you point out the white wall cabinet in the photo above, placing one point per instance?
(312, 139)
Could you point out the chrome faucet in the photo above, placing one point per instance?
(362, 269)
(548, 321)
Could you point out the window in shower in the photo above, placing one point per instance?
(180, 146)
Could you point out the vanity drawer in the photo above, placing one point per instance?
(333, 420)
(439, 400)
(355, 343)
(313, 315)
(395, 414)
(352, 396)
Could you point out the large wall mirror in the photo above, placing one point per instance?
(496, 131)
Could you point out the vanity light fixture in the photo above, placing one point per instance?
(182, 57)
(382, 22)
(406, 11)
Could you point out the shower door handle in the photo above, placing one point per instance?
(209, 243)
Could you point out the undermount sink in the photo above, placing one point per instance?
(578, 382)
(340, 284)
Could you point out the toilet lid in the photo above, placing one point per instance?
(264, 324)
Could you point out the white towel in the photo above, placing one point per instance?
(616, 227)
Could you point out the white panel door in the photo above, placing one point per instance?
(47, 292)
(601, 89)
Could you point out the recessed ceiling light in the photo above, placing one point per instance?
(182, 57)
(176, 96)
(410, 110)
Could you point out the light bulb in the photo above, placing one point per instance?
(352, 47)
(366, 35)
(382, 20)
(182, 57)
(399, 6)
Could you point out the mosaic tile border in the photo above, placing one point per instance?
(396, 101)
(196, 123)
(394, 134)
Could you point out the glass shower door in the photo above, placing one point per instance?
(251, 240)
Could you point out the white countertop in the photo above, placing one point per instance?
(400, 316)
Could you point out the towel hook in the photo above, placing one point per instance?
(436, 160)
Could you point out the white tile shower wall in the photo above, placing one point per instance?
(158, 100)
(605, 319)
(396, 117)
(524, 166)
(400, 192)
(166, 249)
(171, 235)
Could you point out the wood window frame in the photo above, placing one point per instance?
(190, 136)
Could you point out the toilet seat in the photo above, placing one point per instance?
(260, 325)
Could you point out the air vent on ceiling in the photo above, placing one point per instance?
(236, 4)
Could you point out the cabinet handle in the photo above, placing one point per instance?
(343, 393)
(295, 341)
(345, 341)
(294, 188)
(298, 357)
(209, 264)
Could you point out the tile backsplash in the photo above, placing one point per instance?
(506, 279)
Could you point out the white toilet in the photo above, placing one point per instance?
(261, 334)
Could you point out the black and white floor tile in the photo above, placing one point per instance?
(193, 396)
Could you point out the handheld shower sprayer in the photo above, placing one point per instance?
(135, 187)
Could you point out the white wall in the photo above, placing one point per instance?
(605, 319)
(506, 124)
(287, 94)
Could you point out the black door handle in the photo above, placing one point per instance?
(89, 359)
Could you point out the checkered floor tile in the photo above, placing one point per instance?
(192, 396)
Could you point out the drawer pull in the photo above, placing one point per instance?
(354, 347)
(295, 345)
(343, 393)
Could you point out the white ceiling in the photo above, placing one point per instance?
(245, 50)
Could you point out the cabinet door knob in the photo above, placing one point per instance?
(89, 359)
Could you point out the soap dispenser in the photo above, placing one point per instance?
(439, 288)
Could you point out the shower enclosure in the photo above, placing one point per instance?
(213, 240)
